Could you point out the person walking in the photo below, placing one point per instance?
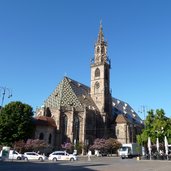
(89, 155)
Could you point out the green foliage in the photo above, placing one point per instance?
(15, 123)
(156, 125)
(79, 147)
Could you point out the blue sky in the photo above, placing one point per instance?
(41, 41)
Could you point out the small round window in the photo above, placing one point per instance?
(97, 85)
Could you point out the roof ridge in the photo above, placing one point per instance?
(76, 81)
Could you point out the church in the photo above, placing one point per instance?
(78, 113)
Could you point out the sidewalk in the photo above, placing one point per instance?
(93, 157)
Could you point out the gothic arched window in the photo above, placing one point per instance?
(97, 72)
(41, 136)
(65, 124)
(76, 129)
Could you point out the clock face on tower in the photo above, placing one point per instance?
(96, 87)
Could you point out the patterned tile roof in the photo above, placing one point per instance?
(123, 108)
(70, 93)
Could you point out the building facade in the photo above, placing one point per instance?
(82, 114)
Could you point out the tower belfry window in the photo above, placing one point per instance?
(98, 49)
(97, 72)
(102, 49)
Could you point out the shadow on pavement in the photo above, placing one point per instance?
(46, 166)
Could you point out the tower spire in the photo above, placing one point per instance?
(100, 53)
(100, 38)
(100, 76)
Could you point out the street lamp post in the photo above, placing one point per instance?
(5, 91)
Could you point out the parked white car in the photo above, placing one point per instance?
(33, 156)
(14, 155)
(62, 155)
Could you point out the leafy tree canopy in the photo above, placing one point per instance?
(15, 123)
(156, 125)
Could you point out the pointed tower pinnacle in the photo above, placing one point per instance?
(100, 38)
(100, 48)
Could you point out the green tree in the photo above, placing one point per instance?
(142, 138)
(15, 123)
(159, 126)
(168, 130)
(156, 125)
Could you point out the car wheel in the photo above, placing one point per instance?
(71, 159)
(25, 158)
(18, 158)
(54, 159)
(40, 158)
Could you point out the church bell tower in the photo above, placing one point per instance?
(100, 76)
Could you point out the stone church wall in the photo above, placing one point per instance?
(122, 133)
(46, 130)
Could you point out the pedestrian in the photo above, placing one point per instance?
(89, 155)
(97, 153)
